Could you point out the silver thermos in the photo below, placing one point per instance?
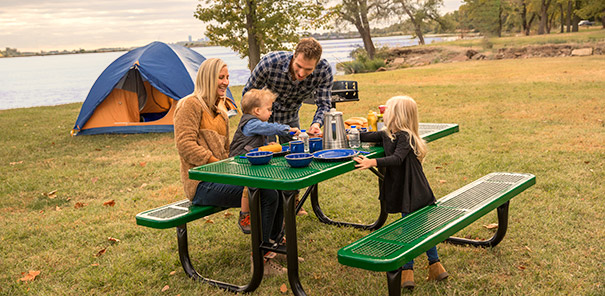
(335, 135)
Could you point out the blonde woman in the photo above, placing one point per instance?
(405, 187)
(201, 132)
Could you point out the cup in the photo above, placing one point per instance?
(297, 146)
(382, 108)
(315, 144)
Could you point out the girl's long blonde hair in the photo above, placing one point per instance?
(401, 114)
(206, 85)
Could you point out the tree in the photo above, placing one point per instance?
(593, 8)
(488, 16)
(360, 13)
(419, 12)
(252, 27)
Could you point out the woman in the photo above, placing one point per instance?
(201, 132)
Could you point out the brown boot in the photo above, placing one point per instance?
(437, 272)
(407, 279)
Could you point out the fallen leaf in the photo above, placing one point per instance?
(41, 211)
(51, 194)
(438, 167)
(209, 221)
(528, 248)
(79, 205)
(283, 288)
(165, 288)
(101, 252)
(143, 185)
(587, 161)
(129, 189)
(491, 226)
(442, 181)
(16, 162)
(98, 149)
(228, 214)
(95, 264)
(142, 163)
(57, 208)
(29, 276)
(113, 239)
(110, 203)
(521, 267)
(94, 180)
(173, 272)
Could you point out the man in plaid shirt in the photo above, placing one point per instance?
(295, 77)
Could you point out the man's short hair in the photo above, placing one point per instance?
(255, 98)
(309, 47)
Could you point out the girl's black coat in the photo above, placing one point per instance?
(405, 187)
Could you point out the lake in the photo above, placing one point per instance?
(61, 79)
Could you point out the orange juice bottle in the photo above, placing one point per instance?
(372, 120)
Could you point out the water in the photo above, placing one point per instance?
(354, 141)
(61, 79)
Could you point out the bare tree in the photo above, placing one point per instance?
(360, 13)
(419, 11)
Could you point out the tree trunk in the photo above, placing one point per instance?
(603, 19)
(576, 18)
(253, 42)
(531, 20)
(568, 16)
(562, 18)
(543, 16)
(524, 18)
(365, 32)
(417, 28)
(500, 19)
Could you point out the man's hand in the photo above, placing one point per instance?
(314, 129)
(364, 163)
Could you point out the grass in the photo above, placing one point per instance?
(542, 116)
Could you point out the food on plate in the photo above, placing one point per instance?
(272, 148)
(357, 121)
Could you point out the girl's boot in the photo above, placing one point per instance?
(437, 272)
(407, 279)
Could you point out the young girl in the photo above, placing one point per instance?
(405, 187)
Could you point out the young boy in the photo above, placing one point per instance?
(252, 132)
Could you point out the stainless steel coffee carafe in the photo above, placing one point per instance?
(335, 135)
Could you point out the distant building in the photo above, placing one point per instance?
(189, 38)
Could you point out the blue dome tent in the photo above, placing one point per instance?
(137, 93)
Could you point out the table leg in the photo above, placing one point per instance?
(291, 242)
(382, 217)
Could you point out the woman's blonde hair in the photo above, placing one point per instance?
(401, 114)
(206, 85)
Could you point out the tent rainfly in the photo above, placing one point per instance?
(137, 93)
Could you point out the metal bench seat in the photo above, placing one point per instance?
(390, 247)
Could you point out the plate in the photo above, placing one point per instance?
(335, 154)
(284, 150)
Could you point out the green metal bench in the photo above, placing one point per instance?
(390, 247)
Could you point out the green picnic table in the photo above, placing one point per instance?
(280, 176)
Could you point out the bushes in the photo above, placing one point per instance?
(361, 63)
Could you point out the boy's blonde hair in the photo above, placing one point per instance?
(255, 98)
(401, 114)
(206, 84)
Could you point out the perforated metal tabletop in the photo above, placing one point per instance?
(279, 175)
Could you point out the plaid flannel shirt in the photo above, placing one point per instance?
(273, 73)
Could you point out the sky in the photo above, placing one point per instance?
(35, 25)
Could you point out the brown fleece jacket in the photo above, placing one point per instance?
(200, 138)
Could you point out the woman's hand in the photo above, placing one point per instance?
(364, 163)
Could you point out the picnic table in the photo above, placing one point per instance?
(280, 176)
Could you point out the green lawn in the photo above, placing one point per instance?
(542, 116)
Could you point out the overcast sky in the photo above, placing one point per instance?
(34, 25)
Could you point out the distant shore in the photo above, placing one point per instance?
(15, 53)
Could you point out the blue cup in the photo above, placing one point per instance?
(297, 147)
(315, 144)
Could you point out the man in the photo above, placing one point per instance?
(294, 77)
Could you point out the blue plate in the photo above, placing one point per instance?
(335, 154)
(284, 150)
